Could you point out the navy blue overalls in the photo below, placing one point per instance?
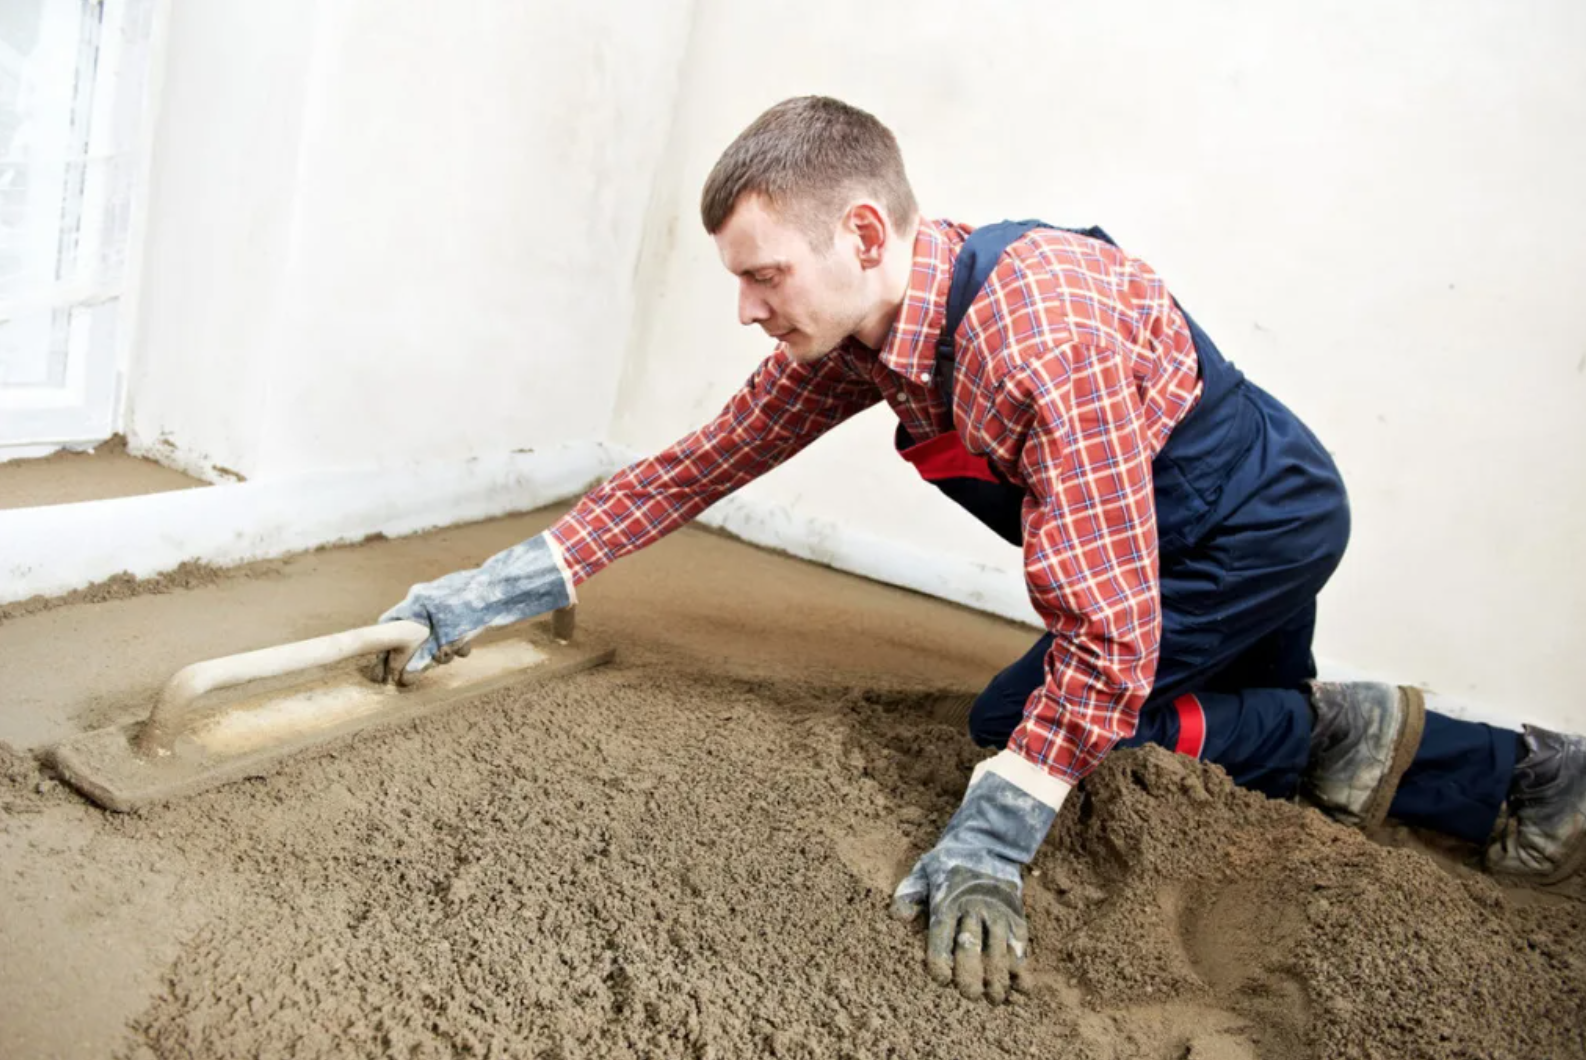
(1252, 520)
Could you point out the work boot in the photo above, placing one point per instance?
(1544, 839)
(1363, 738)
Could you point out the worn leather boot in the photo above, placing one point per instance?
(1364, 737)
(1544, 839)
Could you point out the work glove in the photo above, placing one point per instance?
(525, 580)
(970, 880)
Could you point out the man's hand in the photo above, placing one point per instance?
(978, 937)
(524, 581)
(970, 881)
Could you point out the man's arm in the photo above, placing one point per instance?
(1090, 562)
(1090, 559)
(781, 409)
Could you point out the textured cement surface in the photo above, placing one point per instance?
(688, 853)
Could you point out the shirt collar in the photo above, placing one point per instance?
(910, 347)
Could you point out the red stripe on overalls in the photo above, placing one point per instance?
(945, 457)
(1191, 726)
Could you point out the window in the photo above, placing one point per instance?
(71, 103)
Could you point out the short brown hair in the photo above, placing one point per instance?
(807, 156)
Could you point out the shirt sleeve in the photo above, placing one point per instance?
(1089, 557)
(781, 409)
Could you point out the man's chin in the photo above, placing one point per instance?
(803, 351)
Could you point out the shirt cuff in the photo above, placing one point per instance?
(1026, 776)
(555, 548)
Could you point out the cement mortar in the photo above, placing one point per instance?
(67, 477)
(651, 863)
(689, 854)
(191, 574)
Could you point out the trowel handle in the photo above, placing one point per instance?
(176, 699)
(563, 621)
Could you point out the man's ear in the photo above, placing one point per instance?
(869, 224)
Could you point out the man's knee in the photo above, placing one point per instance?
(994, 716)
(999, 709)
(1334, 535)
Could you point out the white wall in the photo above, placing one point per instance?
(381, 232)
(1375, 209)
(218, 220)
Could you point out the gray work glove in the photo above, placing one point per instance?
(521, 582)
(970, 880)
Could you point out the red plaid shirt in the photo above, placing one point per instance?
(1074, 366)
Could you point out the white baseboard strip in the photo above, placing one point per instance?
(59, 548)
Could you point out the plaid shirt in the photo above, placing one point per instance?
(1074, 366)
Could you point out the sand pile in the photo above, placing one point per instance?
(652, 862)
(20, 777)
(1329, 944)
(190, 574)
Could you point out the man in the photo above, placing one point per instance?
(1176, 522)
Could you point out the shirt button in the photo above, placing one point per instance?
(925, 377)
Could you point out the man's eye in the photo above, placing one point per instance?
(765, 279)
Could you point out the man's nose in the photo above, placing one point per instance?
(751, 308)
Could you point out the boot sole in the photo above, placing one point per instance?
(1408, 743)
(1569, 866)
(1572, 863)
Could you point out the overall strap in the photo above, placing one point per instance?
(976, 260)
(1192, 468)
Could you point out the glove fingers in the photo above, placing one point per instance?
(969, 956)
(1018, 951)
(411, 609)
(908, 901)
(379, 671)
(457, 649)
(383, 670)
(998, 967)
(939, 943)
(420, 661)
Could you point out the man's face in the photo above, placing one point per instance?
(808, 300)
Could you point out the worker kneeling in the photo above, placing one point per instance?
(1176, 522)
